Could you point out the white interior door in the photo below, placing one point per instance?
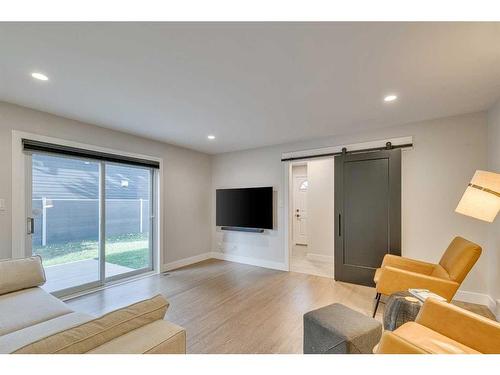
(300, 187)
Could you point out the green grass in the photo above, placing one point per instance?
(130, 250)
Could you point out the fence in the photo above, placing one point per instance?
(70, 220)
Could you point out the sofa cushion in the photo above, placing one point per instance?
(158, 337)
(17, 339)
(28, 307)
(87, 336)
(431, 341)
(20, 274)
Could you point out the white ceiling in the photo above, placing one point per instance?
(250, 84)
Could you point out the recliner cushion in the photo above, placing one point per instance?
(28, 307)
(440, 272)
(459, 258)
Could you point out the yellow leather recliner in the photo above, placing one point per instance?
(443, 328)
(399, 274)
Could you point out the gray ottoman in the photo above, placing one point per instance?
(336, 329)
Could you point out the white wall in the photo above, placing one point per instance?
(494, 228)
(320, 198)
(250, 169)
(435, 173)
(187, 177)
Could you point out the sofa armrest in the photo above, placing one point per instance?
(159, 337)
(408, 264)
(96, 332)
(393, 344)
(475, 331)
(394, 280)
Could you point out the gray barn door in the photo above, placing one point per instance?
(368, 213)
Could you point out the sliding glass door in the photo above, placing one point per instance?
(128, 215)
(91, 221)
(65, 209)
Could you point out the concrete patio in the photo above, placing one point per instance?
(68, 275)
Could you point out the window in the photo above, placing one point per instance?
(93, 220)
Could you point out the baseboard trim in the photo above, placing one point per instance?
(185, 262)
(319, 258)
(250, 261)
(478, 298)
(223, 256)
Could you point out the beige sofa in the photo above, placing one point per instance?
(33, 321)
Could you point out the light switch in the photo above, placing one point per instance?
(2, 204)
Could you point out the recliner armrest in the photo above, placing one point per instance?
(393, 344)
(408, 264)
(394, 280)
(475, 331)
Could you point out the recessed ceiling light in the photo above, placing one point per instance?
(390, 98)
(211, 137)
(40, 76)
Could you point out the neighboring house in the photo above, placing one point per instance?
(66, 191)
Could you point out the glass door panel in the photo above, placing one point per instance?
(65, 208)
(128, 245)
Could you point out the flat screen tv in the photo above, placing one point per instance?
(245, 208)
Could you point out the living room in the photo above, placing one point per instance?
(332, 188)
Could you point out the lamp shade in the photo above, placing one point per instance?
(481, 199)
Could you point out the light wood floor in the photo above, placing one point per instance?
(235, 308)
(300, 262)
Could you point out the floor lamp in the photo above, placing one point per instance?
(481, 199)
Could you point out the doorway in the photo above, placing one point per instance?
(300, 189)
(312, 217)
(366, 184)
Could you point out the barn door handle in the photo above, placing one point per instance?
(340, 225)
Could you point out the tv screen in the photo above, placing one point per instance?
(245, 208)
